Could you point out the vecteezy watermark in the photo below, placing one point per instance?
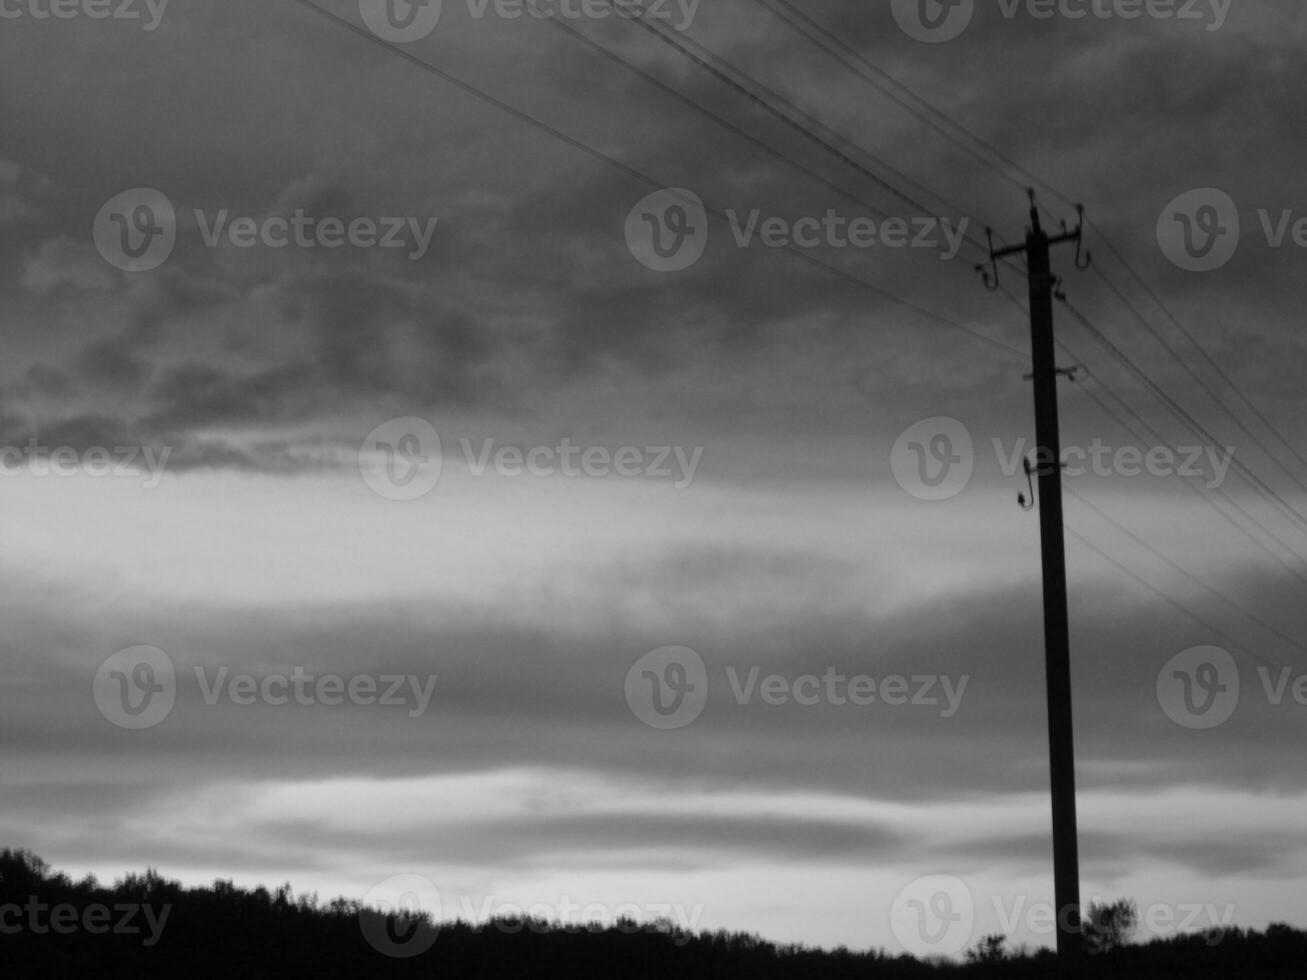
(137, 688)
(402, 460)
(933, 916)
(565, 915)
(834, 230)
(307, 690)
(136, 231)
(400, 917)
(400, 21)
(1199, 688)
(1201, 230)
(148, 12)
(1158, 919)
(667, 231)
(406, 21)
(834, 688)
(936, 21)
(933, 21)
(934, 459)
(96, 919)
(667, 688)
(1101, 459)
(682, 12)
(95, 461)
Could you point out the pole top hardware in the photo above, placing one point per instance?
(989, 272)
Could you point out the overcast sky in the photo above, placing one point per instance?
(743, 496)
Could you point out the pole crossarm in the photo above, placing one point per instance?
(996, 255)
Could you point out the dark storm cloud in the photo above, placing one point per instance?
(532, 263)
(534, 254)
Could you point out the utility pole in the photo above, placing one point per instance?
(1057, 653)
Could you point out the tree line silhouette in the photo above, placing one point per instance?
(147, 926)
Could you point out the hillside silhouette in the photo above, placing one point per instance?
(225, 931)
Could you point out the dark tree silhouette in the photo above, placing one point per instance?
(51, 926)
(1110, 926)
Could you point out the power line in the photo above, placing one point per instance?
(709, 60)
(882, 81)
(1211, 362)
(1201, 383)
(644, 178)
(1159, 440)
(715, 117)
(1249, 476)
(1220, 634)
(701, 61)
(948, 127)
(680, 47)
(632, 172)
(1188, 575)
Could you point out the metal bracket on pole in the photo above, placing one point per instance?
(1072, 373)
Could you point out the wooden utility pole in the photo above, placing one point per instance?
(1057, 653)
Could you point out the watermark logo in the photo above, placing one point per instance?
(1179, 10)
(664, 10)
(136, 230)
(401, 459)
(1279, 686)
(95, 919)
(933, 459)
(94, 461)
(933, 21)
(148, 12)
(667, 688)
(668, 230)
(305, 689)
(400, 917)
(305, 231)
(1199, 230)
(1100, 459)
(400, 21)
(837, 231)
(136, 688)
(1159, 919)
(837, 689)
(933, 916)
(1198, 688)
